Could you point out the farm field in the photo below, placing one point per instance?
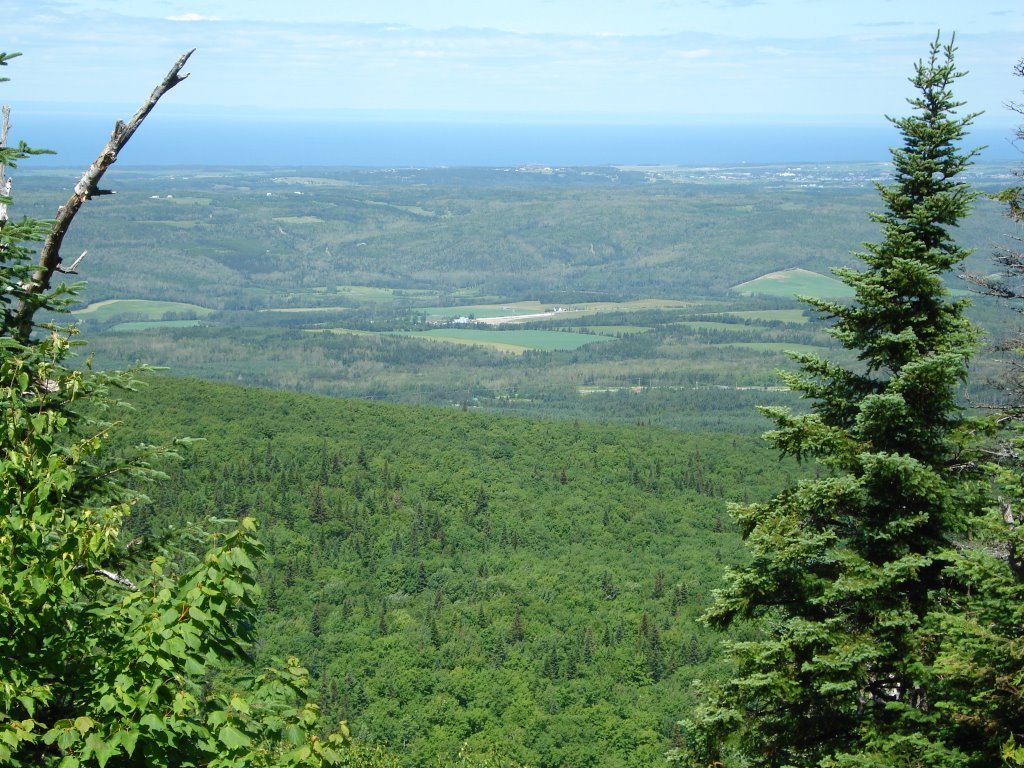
(512, 341)
(795, 282)
(142, 308)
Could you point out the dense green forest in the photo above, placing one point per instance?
(452, 577)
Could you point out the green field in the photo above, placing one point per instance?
(142, 308)
(607, 330)
(484, 310)
(546, 341)
(550, 311)
(795, 282)
(298, 219)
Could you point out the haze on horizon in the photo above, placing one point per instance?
(641, 62)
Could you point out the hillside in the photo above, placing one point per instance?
(340, 281)
(458, 577)
(249, 238)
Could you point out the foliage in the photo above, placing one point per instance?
(979, 667)
(107, 644)
(848, 570)
(461, 579)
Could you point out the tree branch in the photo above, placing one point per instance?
(86, 188)
(5, 181)
(116, 578)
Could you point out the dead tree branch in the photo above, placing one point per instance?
(86, 188)
(5, 181)
(116, 578)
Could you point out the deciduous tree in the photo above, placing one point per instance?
(106, 648)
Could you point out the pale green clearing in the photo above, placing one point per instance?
(527, 309)
(149, 310)
(363, 293)
(298, 219)
(145, 325)
(795, 282)
(513, 349)
(413, 209)
(373, 293)
(546, 341)
(611, 330)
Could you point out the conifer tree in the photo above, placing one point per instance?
(845, 568)
(979, 668)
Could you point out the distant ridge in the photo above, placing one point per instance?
(795, 282)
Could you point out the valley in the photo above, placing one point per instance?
(490, 421)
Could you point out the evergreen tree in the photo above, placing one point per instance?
(517, 633)
(317, 505)
(979, 667)
(845, 568)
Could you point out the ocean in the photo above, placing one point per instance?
(227, 141)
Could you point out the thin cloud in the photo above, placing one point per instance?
(192, 17)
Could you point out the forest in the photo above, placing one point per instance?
(458, 578)
(462, 466)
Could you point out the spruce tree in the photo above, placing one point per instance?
(979, 667)
(845, 568)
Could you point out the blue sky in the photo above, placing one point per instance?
(630, 60)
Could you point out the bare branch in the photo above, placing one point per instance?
(86, 188)
(74, 265)
(5, 180)
(116, 578)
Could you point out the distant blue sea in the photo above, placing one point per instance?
(262, 142)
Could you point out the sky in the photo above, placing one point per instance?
(606, 61)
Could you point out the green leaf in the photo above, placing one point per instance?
(128, 740)
(240, 704)
(232, 738)
(294, 734)
(102, 749)
(29, 704)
